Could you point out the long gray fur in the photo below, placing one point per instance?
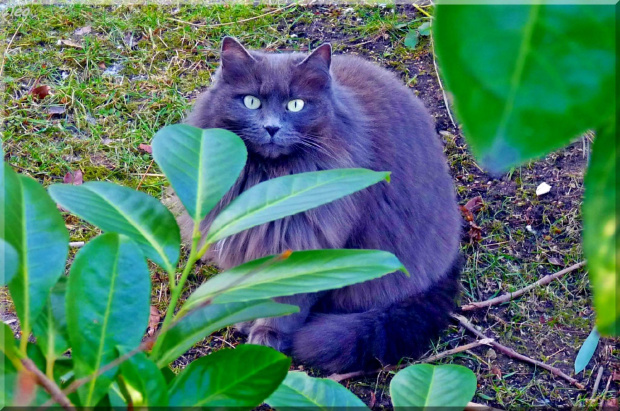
(356, 114)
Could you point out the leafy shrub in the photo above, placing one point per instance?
(101, 310)
(528, 79)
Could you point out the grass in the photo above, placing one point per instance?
(140, 67)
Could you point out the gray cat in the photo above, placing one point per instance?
(299, 113)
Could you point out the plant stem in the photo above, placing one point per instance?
(178, 287)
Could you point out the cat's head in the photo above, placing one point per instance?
(278, 103)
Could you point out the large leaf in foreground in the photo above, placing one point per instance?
(9, 262)
(201, 165)
(32, 225)
(303, 391)
(242, 378)
(203, 321)
(125, 211)
(526, 79)
(144, 381)
(108, 299)
(600, 229)
(51, 326)
(288, 195)
(425, 385)
(302, 272)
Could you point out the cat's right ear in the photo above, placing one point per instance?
(235, 59)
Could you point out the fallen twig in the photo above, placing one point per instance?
(6, 50)
(144, 175)
(509, 296)
(76, 244)
(600, 407)
(512, 353)
(346, 376)
(443, 91)
(472, 406)
(597, 382)
(50, 386)
(233, 22)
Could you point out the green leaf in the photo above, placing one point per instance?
(600, 229)
(526, 79)
(144, 381)
(32, 225)
(411, 39)
(9, 344)
(284, 196)
(202, 165)
(302, 272)
(586, 351)
(51, 326)
(425, 29)
(200, 323)
(8, 379)
(125, 211)
(425, 385)
(9, 261)
(303, 391)
(242, 378)
(108, 297)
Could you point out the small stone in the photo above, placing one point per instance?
(543, 189)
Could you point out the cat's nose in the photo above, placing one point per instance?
(272, 130)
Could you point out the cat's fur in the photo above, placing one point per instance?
(356, 114)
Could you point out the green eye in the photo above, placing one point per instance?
(295, 105)
(251, 102)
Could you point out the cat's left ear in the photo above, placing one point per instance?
(321, 57)
(313, 71)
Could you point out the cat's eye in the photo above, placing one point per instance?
(295, 105)
(251, 102)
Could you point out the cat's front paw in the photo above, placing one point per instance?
(270, 337)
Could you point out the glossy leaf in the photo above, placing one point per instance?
(202, 165)
(32, 225)
(9, 261)
(242, 378)
(125, 211)
(144, 381)
(526, 79)
(288, 195)
(108, 298)
(586, 351)
(303, 391)
(600, 229)
(51, 326)
(425, 385)
(301, 272)
(9, 344)
(203, 321)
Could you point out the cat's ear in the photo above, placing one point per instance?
(235, 59)
(322, 56)
(314, 69)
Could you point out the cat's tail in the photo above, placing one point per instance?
(339, 343)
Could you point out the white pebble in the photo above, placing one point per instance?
(542, 189)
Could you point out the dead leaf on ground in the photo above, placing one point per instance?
(474, 204)
(154, 319)
(555, 261)
(101, 160)
(56, 110)
(41, 92)
(373, 399)
(145, 147)
(496, 371)
(611, 404)
(102, 65)
(70, 43)
(83, 30)
(616, 376)
(74, 177)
